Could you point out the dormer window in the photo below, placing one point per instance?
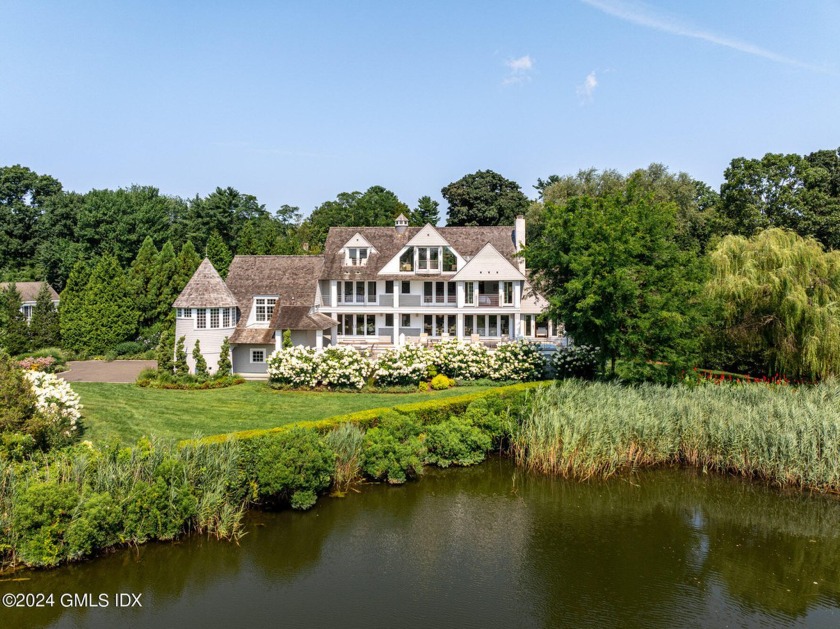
(264, 309)
(357, 256)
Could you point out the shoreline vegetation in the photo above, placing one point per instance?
(78, 502)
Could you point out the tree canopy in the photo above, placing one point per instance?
(484, 198)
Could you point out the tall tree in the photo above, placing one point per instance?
(614, 274)
(141, 277)
(188, 261)
(427, 211)
(484, 198)
(22, 196)
(109, 311)
(779, 295)
(44, 327)
(788, 191)
(71, 308)
(166, 284)
(218, 253)
(14, 333)
(225, 210)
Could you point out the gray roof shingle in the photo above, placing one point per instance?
(206, 289)
(29, 290)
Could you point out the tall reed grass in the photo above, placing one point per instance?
(347, 441)
(787, 435)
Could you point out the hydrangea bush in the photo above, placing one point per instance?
(518, 360)
(56, 401)
(575, 361)
(404, 365)
(307, 367)
(459, 359)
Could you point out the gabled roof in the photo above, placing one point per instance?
(206, 289)
(300, 318)
(488, 264)
(293, 278)
(467, 241)
(29, 290)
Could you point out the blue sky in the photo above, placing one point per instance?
(295, 102)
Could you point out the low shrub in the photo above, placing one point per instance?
(456, 441)
(333, 367)
(441, 382)
(462, 360)
(518, 360)
(393, 450)
(58, 405)
(575, 361)
(406, 365)
(129, 348)
(292, 467)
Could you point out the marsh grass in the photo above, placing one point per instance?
(786, 435)
(347, 441)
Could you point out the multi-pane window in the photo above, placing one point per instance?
(201, 318)
(507, 293)
(226, 318)
(371, 296)
(356, 324)
(357, 256)
(407, 260)
(257, 355)
(264, 308)
(214, 317)
(469, 293)
(406, 320)
(428, 258)
(438, 292)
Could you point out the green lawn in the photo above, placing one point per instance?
(126, 412)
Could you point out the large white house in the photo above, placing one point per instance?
(372, 286)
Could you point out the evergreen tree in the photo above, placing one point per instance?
(142, 277)
(426, 212)
(225, 368)
(44, 327)
(14, 333)
(72, 322)
(108, 310)
(287, 339)
(182, 368)
(218, 253)
(165, 286)
(200, 363)
(165, 352)
(188, 261)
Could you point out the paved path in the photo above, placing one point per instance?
(104, 371)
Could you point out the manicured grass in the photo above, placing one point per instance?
(126, 412)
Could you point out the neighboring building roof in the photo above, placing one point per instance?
(467, 241)
(206, 289)
(29, 290)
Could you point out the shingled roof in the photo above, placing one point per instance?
(206, 289)
(467, 241)
(300, 318)
(29, 290)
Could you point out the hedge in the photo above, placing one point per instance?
(429, 412)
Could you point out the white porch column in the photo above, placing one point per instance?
(319, 339)
(459, 296)
(517, 326)
(278, 340)
(459, 321)
(517, 294)
(397, 290)
(334, 336)
(550, 328)
(333, 293)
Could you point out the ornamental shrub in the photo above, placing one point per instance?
(518, 360)
(182, 368)
(456, 442)
(224, 368)
(575, 361)
(441, 382)
(296, 367)
(58, 405)
(406, 365)
(200, 362)
(164, 354)
(460, 359)
(342, 366)
(42, 515)
(394, 450)
(293, 466)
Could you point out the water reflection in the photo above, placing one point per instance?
(488, 547)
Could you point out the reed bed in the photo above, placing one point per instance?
(786, 435)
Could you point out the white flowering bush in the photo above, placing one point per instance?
(308, 367)
(56, 402)
(517, 360)
(459, 359)
(404, 365)
(342, 366)
(294, 366)
(575, 361)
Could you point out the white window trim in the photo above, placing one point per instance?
(253, 315)
(258, 362)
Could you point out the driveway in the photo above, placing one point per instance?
(104, 371)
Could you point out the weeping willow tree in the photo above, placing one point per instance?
(779, 294)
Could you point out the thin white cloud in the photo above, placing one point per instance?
(586, 90)
(519, 70)
(643, 15)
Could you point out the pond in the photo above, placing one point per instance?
(486, 546)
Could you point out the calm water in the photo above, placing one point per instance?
(486, 547)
